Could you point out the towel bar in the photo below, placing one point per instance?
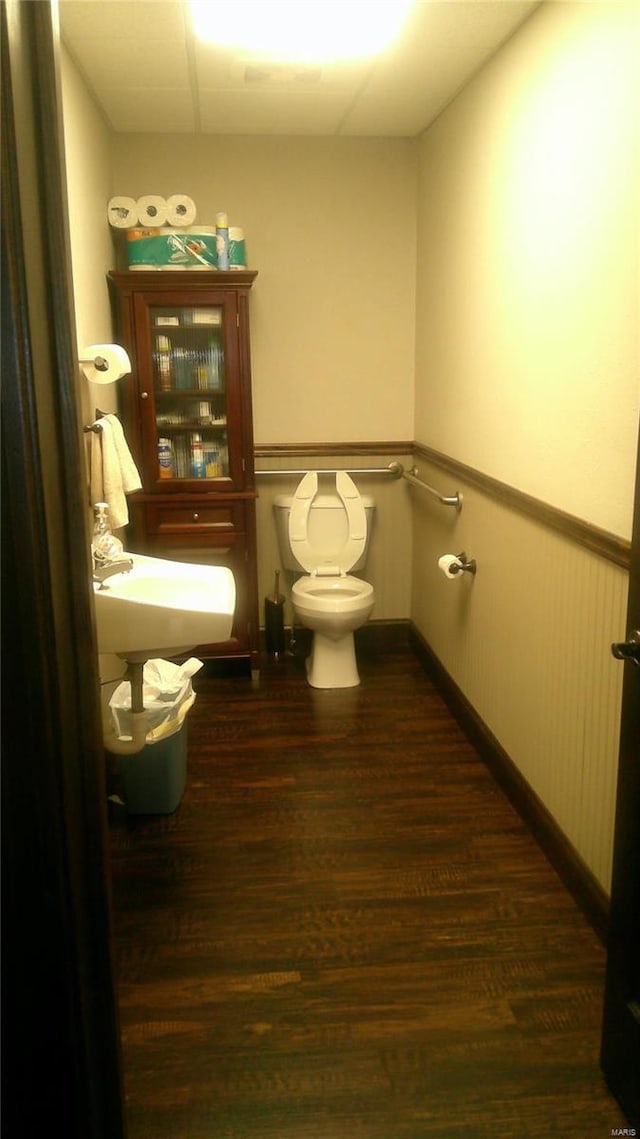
(95, 427)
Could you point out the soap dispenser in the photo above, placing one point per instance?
(105, 547)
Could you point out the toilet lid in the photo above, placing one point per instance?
(315, 561)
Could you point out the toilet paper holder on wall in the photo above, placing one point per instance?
(466, 565)
(104, 363)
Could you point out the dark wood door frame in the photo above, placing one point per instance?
(61, 1065)
(621, 1025)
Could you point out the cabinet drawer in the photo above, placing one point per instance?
(182, 517)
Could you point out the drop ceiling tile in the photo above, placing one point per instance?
(140, 110)
(271, 112)
(144, 20)
(129, 62)
(442, 46)
(213, 65)
(217, 68)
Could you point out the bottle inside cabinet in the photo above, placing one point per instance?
(190, 393)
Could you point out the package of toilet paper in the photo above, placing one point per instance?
(190, 248)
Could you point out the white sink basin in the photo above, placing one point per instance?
(163, 608)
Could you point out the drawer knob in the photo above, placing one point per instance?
(196, 517)
(144, 395)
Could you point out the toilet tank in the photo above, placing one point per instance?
(327, 528)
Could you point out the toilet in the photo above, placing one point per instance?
(324, 537)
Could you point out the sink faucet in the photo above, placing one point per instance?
(103, 570)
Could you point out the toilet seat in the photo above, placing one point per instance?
(342, 595)
(311, 559)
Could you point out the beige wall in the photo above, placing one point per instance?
(88, 159)
(330, 226)
(527, 370)
(87, 140)
(527, 306)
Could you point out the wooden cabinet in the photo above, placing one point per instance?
(187, 414)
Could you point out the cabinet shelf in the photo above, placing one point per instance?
(190, 393)
(200, 480)
(192, 425)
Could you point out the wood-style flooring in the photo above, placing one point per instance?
(346, 932)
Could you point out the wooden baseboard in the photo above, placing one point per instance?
(382, 636)
(576, 876)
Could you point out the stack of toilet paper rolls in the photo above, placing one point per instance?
(151, 211)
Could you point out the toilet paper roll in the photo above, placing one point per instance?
(180, 210)
(122, 213)
(104, 363)
(450, 566)
(152, 210)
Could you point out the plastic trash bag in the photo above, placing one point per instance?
(167, 696)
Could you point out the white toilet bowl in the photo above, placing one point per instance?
(327, 538)
(332, 608)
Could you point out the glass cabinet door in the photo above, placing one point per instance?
(190, 392)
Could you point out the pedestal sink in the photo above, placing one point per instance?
(163, 608)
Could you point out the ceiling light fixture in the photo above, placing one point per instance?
(305, 31)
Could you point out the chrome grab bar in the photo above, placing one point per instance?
(394, 469)
(446, 499)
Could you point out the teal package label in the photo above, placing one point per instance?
(237, 255)
(180, 250)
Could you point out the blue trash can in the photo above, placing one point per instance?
(154, 779)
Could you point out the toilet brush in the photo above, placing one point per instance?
(274, 620)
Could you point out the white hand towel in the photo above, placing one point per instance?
(130, 476)
(113, 471)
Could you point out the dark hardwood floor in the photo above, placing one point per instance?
(346, 932)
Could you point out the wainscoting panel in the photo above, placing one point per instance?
(527, 640)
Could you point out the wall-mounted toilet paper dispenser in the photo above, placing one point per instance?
(104, 363)
(454, 565)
